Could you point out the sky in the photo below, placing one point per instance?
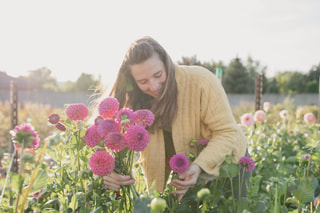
(71, 37)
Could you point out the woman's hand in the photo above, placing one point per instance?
(114, 181)
(190, 179)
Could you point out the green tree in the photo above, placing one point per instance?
(236, 78)
(271, 86)
(291, 82)
(42, 77)
(254, 68)
(85, 82)
(313, 75)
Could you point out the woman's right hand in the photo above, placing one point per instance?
(114, 181)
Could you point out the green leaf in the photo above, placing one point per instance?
(39, 182)
(305, 191)
(17, 182)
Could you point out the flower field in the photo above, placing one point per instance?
(60, 171)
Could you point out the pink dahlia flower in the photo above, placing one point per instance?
(179, 163)
(107, 126)
(144, 117)
(60, 127)
(125, 117)
(92, 136)
(54, 118)
(316, 201)
(260, 115)
(137, 138)
(266, 106)
(101, 163)
(246, 163)
(76, 112)
(98, 120)
(284, 114)
(306, 157)
(309, 118)
(115, 141)
(202, 143)
(38, 195)
(108, 107)
(25, 135)
(247, 119)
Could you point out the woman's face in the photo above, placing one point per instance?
(150, 75)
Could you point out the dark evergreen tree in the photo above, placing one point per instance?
(236, 78)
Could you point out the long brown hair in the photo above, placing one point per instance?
(128, 93)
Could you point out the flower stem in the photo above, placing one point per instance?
(7, 176)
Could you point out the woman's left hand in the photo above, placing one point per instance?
(189, 177)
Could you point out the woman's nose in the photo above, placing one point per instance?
(154, 85)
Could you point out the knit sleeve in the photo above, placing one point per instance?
(217, 119)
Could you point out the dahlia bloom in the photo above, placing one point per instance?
(260, 115)
(137, 138)
(92, 136)
(54, 118)
(107, 126)
(266, 106)
(309, 118)
(98, 120)
(247, 119)
(144, 117)
(60, 127)
(125, 117)
(202, 143)
(179, 163)
(315, 202)
(246, 163)
(76, 112)
(38, 195)
(115, 141)
(306, 157)
(25, 135)
(101, 163)
(284, 114)
(108, 107)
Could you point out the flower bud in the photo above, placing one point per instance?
(158, 204)
(202, 194)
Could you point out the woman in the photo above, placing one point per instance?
(188, 103)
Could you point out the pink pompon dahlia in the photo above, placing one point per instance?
(108, 107)
(144, 117)
(60, 127)
(309, 118)
(101, 163)
(107, 126)
(98, 120)
(247, 119)
(92, 136)
(25, 135)
(202, 143)
(76, 112)
(137, 138)
(246, 163)
(115, 141)
(54, 118)
(125, 117)
(179, 163)
(260, 116)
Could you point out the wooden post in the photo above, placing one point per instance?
(258, 91)
(14, 119)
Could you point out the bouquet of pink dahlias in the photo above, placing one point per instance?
(117, 135)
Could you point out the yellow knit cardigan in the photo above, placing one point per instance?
(203, 113)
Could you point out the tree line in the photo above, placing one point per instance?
(238, 77)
